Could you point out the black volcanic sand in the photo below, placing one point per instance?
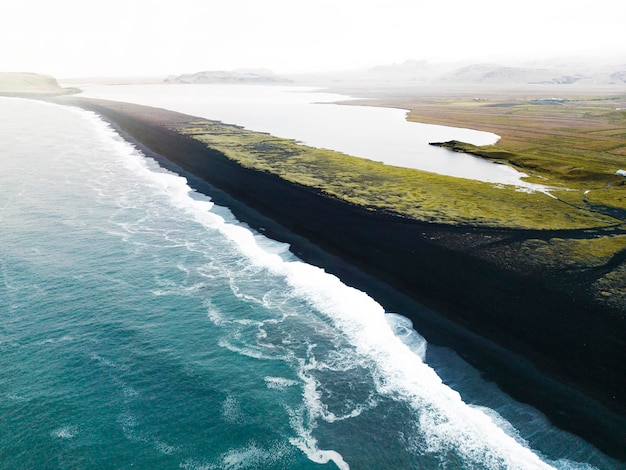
(562, 354)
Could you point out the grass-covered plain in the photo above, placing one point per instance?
(406, 192)
(573, 140)
(575, 145)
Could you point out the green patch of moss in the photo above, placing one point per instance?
(406, 192)
(577, 252)
(544, 162)
(611, 288)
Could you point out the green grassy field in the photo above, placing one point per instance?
(575, 147)
(577, 141)
(406, 192)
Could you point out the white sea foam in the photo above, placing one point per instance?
(215, 314)
(231, 411)
(279, 383)
(563, 464)
(65, 432)
(403, 329)
(15, 397)
(252, 456)
(308, 444)
(55, 340)
(127, 422)
(164, 448)
(173, 288)
(193, 464)
(250, 351)
(448, 423)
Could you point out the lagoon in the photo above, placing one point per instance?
(316, 118)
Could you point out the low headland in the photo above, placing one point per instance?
(31, 85)
(528, 287)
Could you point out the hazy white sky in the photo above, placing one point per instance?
(76, 38)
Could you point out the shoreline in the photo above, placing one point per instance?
(398, 264)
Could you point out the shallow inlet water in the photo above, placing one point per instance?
(314, 118)
(143, 326)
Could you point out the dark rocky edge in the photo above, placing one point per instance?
(563, 354)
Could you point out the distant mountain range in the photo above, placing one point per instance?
(557, 72)
(262, 76)
(487, 73)
(421, 72)
(496, 74)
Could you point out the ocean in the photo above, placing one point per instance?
(143, 326)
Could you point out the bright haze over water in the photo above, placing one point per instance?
(143, 326)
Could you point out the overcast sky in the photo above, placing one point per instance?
(79, 38)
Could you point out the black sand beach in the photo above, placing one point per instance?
(563, 354)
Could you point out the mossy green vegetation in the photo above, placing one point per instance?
(405, 192)
(577, 142)
(570, 253)
(575, 170)
(610, 288)
(596, 263)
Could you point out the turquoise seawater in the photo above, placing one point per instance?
(141, 326)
